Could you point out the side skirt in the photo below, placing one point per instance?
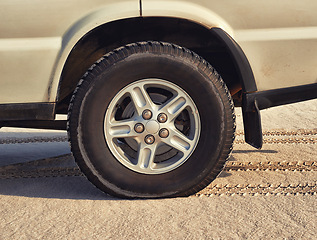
(282, 96)
(37, 124)
(27, 111)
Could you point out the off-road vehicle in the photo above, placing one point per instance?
(150, 86)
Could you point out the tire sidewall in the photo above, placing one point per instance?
(106, 81)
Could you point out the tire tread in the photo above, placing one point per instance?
(160, 47)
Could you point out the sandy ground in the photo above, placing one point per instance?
(267, 203)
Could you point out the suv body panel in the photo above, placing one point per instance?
(49, 29)
(37, 36)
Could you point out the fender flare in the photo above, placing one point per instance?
(240, 60)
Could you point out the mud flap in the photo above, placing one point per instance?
(252, 125)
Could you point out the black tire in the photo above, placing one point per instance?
(150, 60)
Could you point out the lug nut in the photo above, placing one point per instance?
(139, 128)
(164, 133)
(149, 139)
(162, 118)
(147, 114)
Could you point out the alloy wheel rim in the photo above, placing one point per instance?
(152, 126)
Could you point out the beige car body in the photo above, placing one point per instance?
(279, 38)
(150, 86)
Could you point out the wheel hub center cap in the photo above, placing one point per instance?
(152, 127)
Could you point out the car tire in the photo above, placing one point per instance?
(151, 120)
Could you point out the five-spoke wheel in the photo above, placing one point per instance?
(152, 126)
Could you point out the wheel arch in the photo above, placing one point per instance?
(215, 45)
